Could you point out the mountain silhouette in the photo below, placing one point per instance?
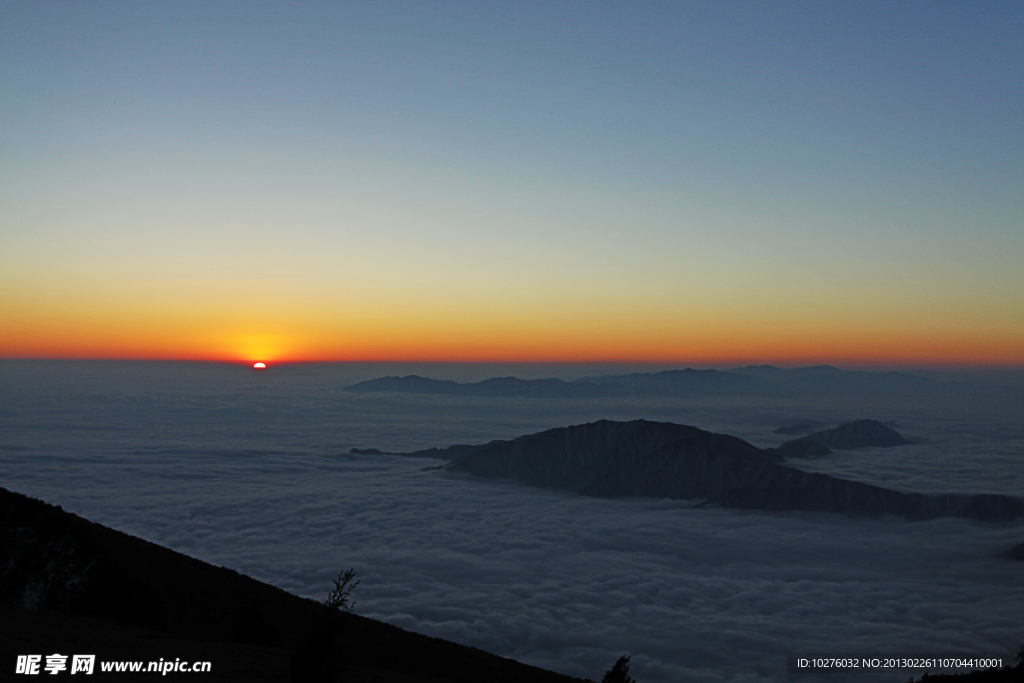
(845, 437)
(760, 380)
(665, 460)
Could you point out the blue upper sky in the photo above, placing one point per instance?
(666, 161)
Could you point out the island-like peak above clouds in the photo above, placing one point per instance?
(606, 458)
(666, 460)
(845, 437)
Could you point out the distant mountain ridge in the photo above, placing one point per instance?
(829, 377)
(496, 386)
(684, 382)
(667, 460)
(760, 380)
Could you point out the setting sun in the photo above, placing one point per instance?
(259, 366)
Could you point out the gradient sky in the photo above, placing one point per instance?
(691, 182)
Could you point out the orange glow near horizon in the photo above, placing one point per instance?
(582, 329)
(242, 217)
(722, 345)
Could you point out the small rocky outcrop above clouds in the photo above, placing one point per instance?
(665, 460)
(845, 437)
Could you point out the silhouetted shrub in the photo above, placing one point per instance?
(343, 587)
(619, 673)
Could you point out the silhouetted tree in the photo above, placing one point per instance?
(619, 673)
(343, 587)
(321, 654)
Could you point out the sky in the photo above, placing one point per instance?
(656, 182)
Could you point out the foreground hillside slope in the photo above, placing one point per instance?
(66, 582)
(666, 460)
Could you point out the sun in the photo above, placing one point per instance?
(259, 366)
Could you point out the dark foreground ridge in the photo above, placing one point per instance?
(664, 460)
(71, 586)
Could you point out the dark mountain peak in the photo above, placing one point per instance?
(607, 458)
(858, 431)
(604, 433)
(846, 437)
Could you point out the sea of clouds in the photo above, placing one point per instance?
(251, 471)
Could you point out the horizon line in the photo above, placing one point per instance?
(787, 363)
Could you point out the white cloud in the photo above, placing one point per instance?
(258, 482)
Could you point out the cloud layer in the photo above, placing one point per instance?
(254, 477)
